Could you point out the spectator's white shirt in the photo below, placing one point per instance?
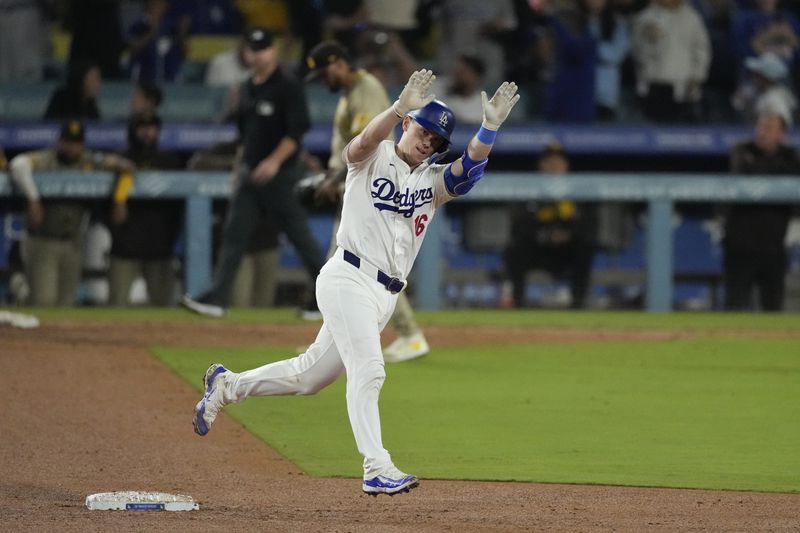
(225, 70)
(671, 46)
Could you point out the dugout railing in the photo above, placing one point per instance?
(659, 192)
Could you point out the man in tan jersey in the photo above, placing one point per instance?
(56, 227)
(363, 98)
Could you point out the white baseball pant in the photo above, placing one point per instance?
(355, 309)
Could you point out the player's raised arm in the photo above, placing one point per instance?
(415, 94)
(465, 172)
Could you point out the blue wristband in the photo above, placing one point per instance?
(486, 136)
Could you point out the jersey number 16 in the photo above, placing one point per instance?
(419, 224)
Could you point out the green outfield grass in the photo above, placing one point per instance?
(703, 412)
(468, 318)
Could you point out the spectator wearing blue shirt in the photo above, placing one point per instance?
(570, 95)
(209, 17)
(610, 30)
(157, 43)
(765, 29)
(590, 42)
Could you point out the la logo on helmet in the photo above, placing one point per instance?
(443, 120)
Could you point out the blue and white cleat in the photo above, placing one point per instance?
(213, 400)
(391, 482)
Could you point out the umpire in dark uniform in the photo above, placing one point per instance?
(272, 117)
(755, 254)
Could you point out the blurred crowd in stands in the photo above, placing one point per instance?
(576, 61)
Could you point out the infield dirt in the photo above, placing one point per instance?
(87, 409)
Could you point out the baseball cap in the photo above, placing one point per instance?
(437, 118)
(258, 38)
(322, 55)
(768, 65)
(72, 130)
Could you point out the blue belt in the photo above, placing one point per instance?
(393, 285)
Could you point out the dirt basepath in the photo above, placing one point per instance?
(87, 410)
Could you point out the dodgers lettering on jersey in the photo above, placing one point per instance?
(403, 203)
(387, 208)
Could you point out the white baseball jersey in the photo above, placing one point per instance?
(387, 208)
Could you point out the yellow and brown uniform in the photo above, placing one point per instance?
(356, 108)
(53, 249)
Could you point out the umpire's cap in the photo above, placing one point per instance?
(72, 130)
(436, 117)
(322, 55)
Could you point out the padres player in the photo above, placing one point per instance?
(57, 226)
(391, 196)
(364, 97)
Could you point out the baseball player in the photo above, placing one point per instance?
(364, 97)
(56, 227)
(391, 195)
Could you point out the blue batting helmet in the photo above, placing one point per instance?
(436, 117)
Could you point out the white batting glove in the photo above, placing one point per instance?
(496, 110)
(416, 93)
